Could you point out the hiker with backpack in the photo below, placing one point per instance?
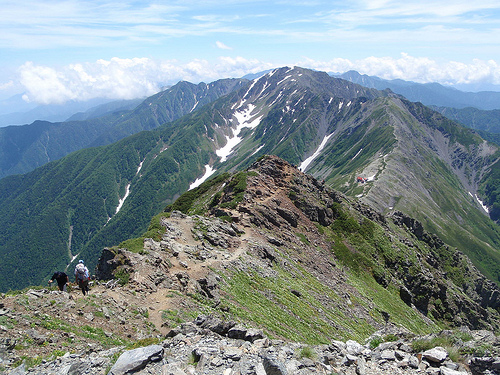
(82, 277)
(62, 280)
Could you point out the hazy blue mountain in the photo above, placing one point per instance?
(105, 109)
(429, 93)
(488, 121)
(15, 103)
(49, 112)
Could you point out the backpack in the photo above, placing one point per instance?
(81, 272)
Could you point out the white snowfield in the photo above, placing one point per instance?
(208, 172)
(244, 119)
(127, 191)
(303, 166)
(483, 205)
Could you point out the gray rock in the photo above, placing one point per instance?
(307, 362)
(253, 335)
(349, 359)
(77, 368)
(451, 365)
(405, 348)
(136, 359)
(361, 366)
(449, 371)
(21, 370)
(238, 332)
(274, 367)
(353, 347)
(436, 355)
(217, 362)
(496, 364)
(484, 336)
(400, 355)
(338, 346)
(214, 324)
(172, 369)
(388, 355)
(233, 353)
(293, 366)
(37, 337)
(413, 362)
(89, 316)
(386, 345)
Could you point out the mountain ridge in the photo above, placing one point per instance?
(24, 148)
(428, 93)
(288, 112)
(320, 276)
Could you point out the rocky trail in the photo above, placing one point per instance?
(51, 332)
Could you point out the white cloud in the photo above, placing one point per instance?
(117, 78)
(124, 78)
(418, 69)
(424, 11)
(221, 45)
(7, 85)
(138, 77)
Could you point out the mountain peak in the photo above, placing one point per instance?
(290, 218)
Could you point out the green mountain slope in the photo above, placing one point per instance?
(488, 121)
(24, 148)
(413, 159)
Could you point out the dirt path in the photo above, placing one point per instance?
(163, 300)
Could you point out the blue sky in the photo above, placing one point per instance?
(55, 50)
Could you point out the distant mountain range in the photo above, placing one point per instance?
(26, 113)
(24, 148)
(372, 145)
(428, 93)
(475, 110)
(486, 121)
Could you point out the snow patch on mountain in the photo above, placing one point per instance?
(139, 167)
(208, 172)
(246, 94)
(260, 148)
(482, 204)
(283, 80)
(244, 119)
(122, 200)
(357, 153)
(303, 166)
(195, 104)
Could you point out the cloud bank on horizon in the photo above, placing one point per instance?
(59, 50)
(141, 77)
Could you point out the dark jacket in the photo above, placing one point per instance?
(60, 277)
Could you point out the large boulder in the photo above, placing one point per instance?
(136, 359)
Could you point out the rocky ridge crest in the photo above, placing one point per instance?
(290, 259)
